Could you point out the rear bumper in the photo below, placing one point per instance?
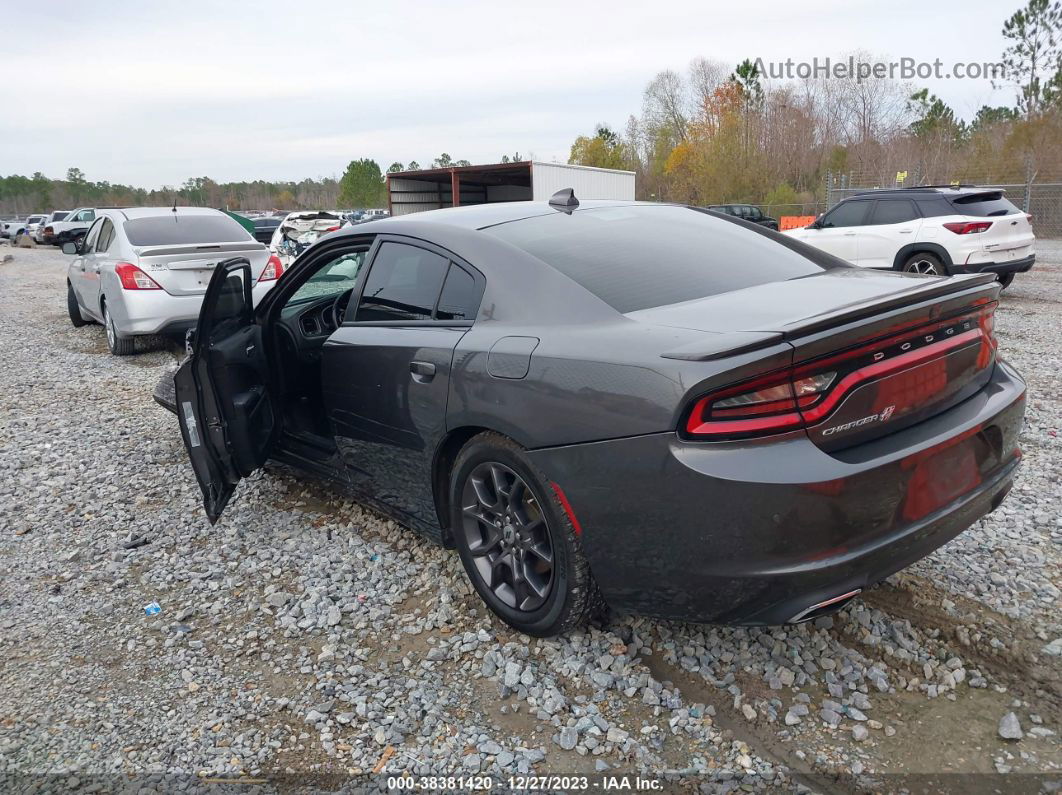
(1014, 266)
(141, 312)
(755, 533)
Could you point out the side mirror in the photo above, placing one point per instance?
(70, 247)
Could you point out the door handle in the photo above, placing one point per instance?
(905, 231)
(422, 372)
(849, 234)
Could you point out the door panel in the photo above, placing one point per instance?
(223, 389)
(87, 284)
(385, 391)
(840, 242)
(893, 224)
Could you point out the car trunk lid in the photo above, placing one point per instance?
(881, 351)
(186, 269)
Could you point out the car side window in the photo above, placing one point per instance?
(86, 215)
(403, 284)
(103, 242)
(334, 277)
(89, 244)
(755, 214)
(893, 211)
(460, 296)
(845, 214)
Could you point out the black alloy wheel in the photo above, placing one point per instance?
(507, 536)
(517, 541)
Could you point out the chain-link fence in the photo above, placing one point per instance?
(1043, 200)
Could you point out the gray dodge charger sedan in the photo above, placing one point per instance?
(647, 406)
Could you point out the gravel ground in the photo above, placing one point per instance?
(308, 641)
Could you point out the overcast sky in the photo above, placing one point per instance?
(152, 93)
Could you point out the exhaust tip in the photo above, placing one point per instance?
(831, 605)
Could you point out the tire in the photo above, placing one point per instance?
(1005, 279)
(73, 308)
(118, 344)
(553, 601)
(925, 263)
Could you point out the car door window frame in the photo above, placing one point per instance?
(107, 222)
(872, 218)
(454, 261)
(89, 244)
(862, 220)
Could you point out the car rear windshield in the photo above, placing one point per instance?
(639, 257)
(171, 230)
(984, 205)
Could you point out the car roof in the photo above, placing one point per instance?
(131, 213)
(923, 191)
(481, 216)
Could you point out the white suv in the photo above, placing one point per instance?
(937, 230)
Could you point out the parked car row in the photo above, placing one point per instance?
(751, 431)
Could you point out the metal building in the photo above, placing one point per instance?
(433, 189)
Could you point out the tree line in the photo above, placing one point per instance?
(718, 134)
(360, 186)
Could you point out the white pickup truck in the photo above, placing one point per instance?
(71, 228)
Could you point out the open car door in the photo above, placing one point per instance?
(223, 402)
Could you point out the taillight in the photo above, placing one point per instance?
(133, 278)
(273, 269)
(968, 227)
(803, 395)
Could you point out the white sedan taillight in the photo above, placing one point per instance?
(133, 278)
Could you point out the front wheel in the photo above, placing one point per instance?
(516, 542)
(924, 263)
(119, 345)
(73, 308)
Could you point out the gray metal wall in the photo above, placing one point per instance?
(588, 183)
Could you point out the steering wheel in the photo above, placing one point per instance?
(339, 307)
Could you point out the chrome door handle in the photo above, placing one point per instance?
(422, 372)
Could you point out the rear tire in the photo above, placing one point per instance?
(73, 308)
(924, 263)
(118, 344)
(516, 542)
(1005, 279)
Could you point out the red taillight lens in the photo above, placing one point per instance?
(133, 278)
(808, 393)
(968, 228)
(272, 271)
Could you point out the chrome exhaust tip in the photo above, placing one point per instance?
(822, 608)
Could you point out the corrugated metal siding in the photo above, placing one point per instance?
(415, 196)
(588, 183)
(505, 193)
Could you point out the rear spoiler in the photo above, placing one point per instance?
(197, 248)
(722, 345)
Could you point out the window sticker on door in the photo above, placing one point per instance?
(189, 424)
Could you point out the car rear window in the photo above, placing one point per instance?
(638, 257)
(170, 230)
(984, 205)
